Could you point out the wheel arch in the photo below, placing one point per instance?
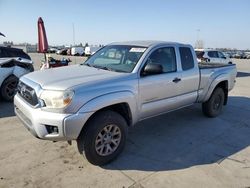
(123, 102)
(222, 84)
(121, 108)
(2, 81)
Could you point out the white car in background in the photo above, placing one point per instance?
(14, 63)
(90, 50)
(77, 51)
(212, 56)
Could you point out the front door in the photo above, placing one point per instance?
(159, 92)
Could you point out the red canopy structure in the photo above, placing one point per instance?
(42, 38)
(2, 34)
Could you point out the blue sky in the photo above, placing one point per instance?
(222, 23)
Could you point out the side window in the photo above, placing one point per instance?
(11, 53)
(212, 54)
(165, 57)
(4, 53)
(187, 61)
(221, 55)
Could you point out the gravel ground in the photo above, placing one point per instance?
(179, 149)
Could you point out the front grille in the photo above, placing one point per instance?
(27, 93)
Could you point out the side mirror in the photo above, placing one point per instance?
(223, 57)
(151, 69)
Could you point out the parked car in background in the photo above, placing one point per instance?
(240, 55)
(243, 55)
(69, 51)
(212, 56)
(52, 50)
(76, 51)
(14, 63)
(62, 51)
(90, 50)
(118, 86)
(247, 55)
(237, 55)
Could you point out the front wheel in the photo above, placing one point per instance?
(213, 107)
(8, 88)
(104, 137)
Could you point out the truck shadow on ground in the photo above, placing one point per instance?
(6, 109)
(243, 74)
(186, 138)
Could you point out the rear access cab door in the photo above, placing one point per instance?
(174, 87)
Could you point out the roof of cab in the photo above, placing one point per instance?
(145, 43)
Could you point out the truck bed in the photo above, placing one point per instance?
(210, 71)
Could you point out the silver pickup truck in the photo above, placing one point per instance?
(95, 102)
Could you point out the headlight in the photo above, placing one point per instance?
(56, 99)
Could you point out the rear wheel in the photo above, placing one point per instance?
(213, 107)
(104, 137)
(8, 88)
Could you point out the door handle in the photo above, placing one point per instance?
(176, 80)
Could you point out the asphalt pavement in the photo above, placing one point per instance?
(179, 149)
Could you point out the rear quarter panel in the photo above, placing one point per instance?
(211, 77)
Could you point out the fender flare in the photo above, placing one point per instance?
(110, 99)
(213, 85)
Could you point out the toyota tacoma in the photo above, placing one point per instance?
(123, 83)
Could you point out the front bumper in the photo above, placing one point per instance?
(35, 120)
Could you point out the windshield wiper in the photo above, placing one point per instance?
(102, 67)
(109, 69)
(87, 64)
(106, 68)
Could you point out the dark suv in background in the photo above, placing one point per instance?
(12, 52)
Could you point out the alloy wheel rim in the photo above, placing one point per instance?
(10, 88)
(217, 102)
(108, 140)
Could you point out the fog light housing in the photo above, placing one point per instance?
(51, 129)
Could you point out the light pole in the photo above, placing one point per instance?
(73, 27)
(198, 34)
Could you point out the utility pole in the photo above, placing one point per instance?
(73, 27)
(199, 43)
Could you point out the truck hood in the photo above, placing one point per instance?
(70, 76)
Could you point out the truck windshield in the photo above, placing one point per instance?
(119, 58)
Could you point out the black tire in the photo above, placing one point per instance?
(86, 142)
(8, 88)
(213, 107)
